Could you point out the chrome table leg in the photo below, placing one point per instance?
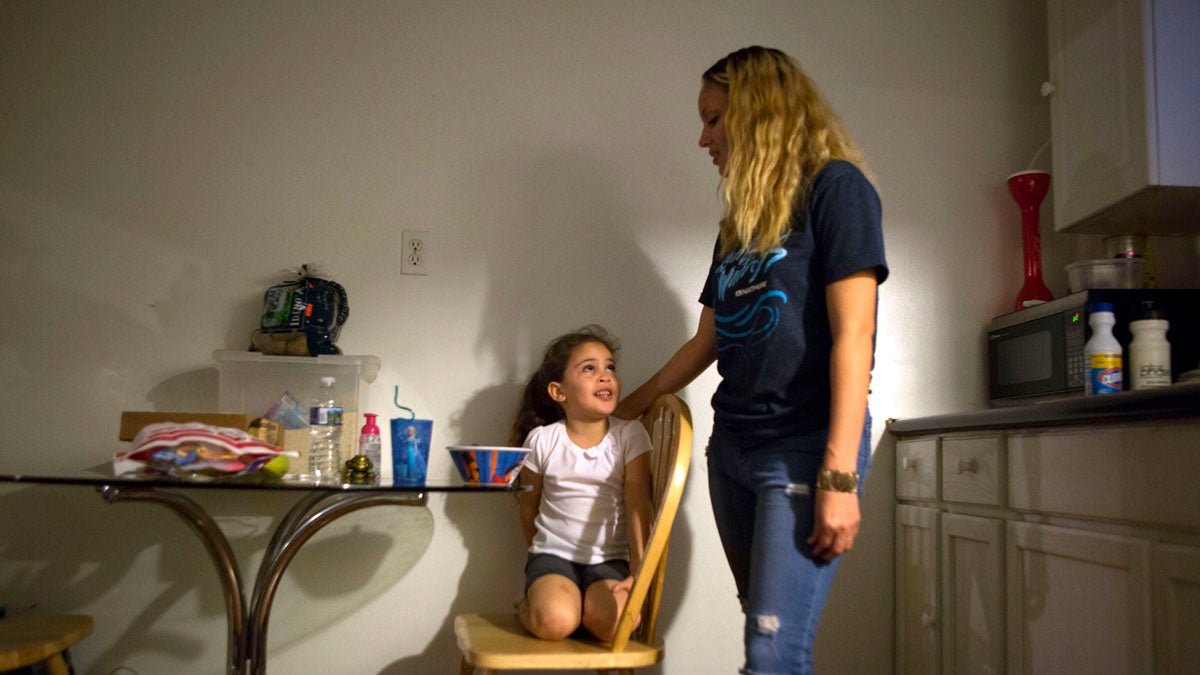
(304, 520)
(247, 644)
(218, 549)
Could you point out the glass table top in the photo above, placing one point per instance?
(97, 479)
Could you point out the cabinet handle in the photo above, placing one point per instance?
(967, 466)
(1048, 89)
(927, 620)
(908, 464)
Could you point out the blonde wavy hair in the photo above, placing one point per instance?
(779, 132)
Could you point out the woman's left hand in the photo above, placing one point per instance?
(835, 524)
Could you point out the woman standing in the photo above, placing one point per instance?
(789, 317)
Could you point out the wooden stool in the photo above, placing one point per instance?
(41, 638)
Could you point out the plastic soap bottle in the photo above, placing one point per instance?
(325, 430)
(1149, 352)
(370, 443)
(1102, 353)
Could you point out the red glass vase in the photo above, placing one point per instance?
(1029, 188)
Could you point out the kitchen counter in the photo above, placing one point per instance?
(1012, 523)
(1176, 401)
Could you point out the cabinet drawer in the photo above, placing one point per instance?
(916, 469)
(971, 469)
(1131, 473)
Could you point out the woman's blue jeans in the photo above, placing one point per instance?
(762, 498)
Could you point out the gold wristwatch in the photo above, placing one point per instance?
(837, 481)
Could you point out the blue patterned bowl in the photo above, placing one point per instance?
(487, 465)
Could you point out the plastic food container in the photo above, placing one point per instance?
(1105, 273)
(250, 383)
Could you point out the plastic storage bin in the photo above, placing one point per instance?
(1105, 273)
(250, 382)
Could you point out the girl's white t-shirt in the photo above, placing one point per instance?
(582, 513)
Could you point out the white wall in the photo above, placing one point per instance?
(160, 163)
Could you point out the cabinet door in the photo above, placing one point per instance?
(1078, 602)
(918, 647)
(1177, 609)
(973, 594)
(1098, 108)
(1125, 113)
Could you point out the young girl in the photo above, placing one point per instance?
(587, 517)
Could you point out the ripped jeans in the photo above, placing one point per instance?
(762, 500)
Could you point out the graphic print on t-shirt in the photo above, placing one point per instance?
(747, 310)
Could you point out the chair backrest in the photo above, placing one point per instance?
(669, 423)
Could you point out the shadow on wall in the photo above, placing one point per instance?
(860, 595)
(572, 259)
(98, 547)
(88, 351)
(193, 390)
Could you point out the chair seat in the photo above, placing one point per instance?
(32, 639)
(499, 642)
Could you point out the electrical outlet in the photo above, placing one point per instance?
(414, 257)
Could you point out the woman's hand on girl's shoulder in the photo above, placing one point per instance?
(631, 407)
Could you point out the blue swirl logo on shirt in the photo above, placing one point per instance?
(754, 322)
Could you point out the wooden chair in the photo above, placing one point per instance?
(42, 639)
(495, 642)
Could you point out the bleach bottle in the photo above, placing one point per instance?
(1102, 353)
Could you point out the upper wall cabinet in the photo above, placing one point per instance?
(1125, 110)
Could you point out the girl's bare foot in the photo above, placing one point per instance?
(521, 611)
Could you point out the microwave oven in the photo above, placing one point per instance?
(1037, 353)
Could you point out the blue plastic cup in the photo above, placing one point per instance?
(410, 450)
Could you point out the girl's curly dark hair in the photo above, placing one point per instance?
(537, 408)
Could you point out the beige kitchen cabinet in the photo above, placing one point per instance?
(1071, 548)
(972, 554)
(916, 469)
(973, 590)
(1141, 473)
(1176, 592)
(1124, 93)
(949, 567)
(972, 470)
(1078, 602)
(918, 642)
(918, 637)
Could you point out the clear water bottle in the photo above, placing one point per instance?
(1102, 353)
(325, 430)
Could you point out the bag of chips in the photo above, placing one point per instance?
(182, 449)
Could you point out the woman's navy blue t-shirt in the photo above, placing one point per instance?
(773, 336)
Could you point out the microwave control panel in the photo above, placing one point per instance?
(1074, 330)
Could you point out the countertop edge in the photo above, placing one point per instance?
(1176, 401)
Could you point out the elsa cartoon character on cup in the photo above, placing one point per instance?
(411, 466)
